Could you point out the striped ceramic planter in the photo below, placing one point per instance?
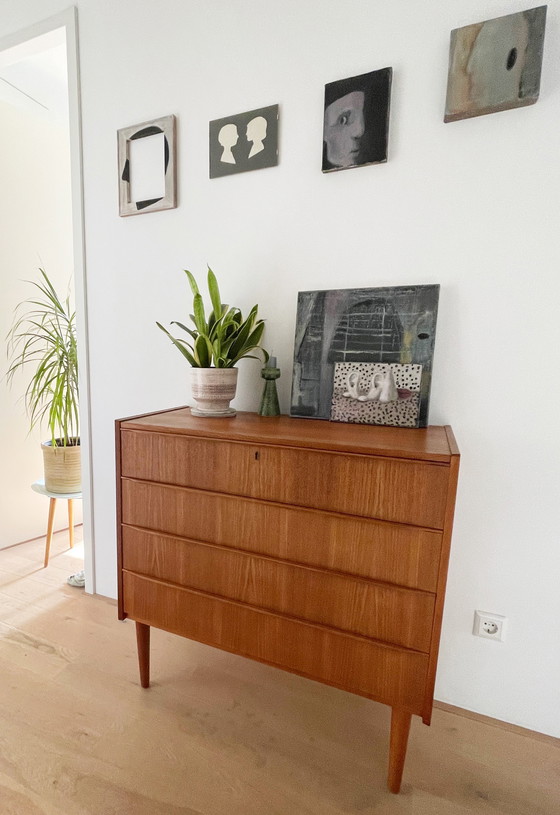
(212, 390)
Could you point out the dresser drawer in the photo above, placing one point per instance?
(395, 615)
(402, 490)
(392, 553)
(392, 675)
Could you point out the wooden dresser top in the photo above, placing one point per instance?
(434, 443)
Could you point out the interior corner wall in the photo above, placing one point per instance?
(36, 229)
(472, 205)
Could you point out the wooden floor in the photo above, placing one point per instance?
(215, 734)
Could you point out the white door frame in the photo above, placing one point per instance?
(68, 20)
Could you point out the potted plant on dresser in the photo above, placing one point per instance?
(214, 346)
(42, 341)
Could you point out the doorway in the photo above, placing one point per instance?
(40, 108)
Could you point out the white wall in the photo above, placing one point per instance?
(472, 205)
(36, 219)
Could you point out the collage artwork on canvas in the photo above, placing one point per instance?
(365, 355)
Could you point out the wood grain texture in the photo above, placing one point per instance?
(389, 489)
(425, 444)
(380, 672)
(143, 648)
(268, 521)
(442, 582)
(50, 525)
(71, 522)
(393, 553)
(118, 474)
(501, 725)
(400, 729)
(394, 615)
(217, 734)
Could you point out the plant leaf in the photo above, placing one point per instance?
(192, 281)
(240, 339)
(199, 316)
(185, 328)
(201, 352)
(43, 339)
(214, 293)
(177, 343)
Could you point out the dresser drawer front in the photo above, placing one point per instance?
(399, 616)
(388, 552)
(391, 675)
(399, 490)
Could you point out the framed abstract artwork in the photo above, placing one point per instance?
(243, 142)
(147, 166)
(356, 120)
(495, 65)
(365, 354)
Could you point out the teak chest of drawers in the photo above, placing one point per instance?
(316, 547)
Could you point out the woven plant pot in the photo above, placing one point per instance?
(63, 468)
(212, 390)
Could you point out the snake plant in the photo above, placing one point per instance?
(43, 340)
(223, 338)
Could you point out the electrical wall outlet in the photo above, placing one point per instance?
(491, 626)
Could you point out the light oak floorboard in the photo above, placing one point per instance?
(215, 734)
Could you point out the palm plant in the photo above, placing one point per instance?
(43, 340)
(224, 338)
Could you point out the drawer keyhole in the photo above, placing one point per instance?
(257, 455)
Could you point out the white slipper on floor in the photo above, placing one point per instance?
(77, 579)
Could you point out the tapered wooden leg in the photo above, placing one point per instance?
(400, 728)
(143, 642)
(71, 521)
(50, 525)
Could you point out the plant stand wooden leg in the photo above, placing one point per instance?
(71, 522)
(143, 643)
(400, 728)
(50, 524)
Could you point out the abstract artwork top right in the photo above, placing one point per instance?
(495, 65)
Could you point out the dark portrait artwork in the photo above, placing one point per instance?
(356, 120)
